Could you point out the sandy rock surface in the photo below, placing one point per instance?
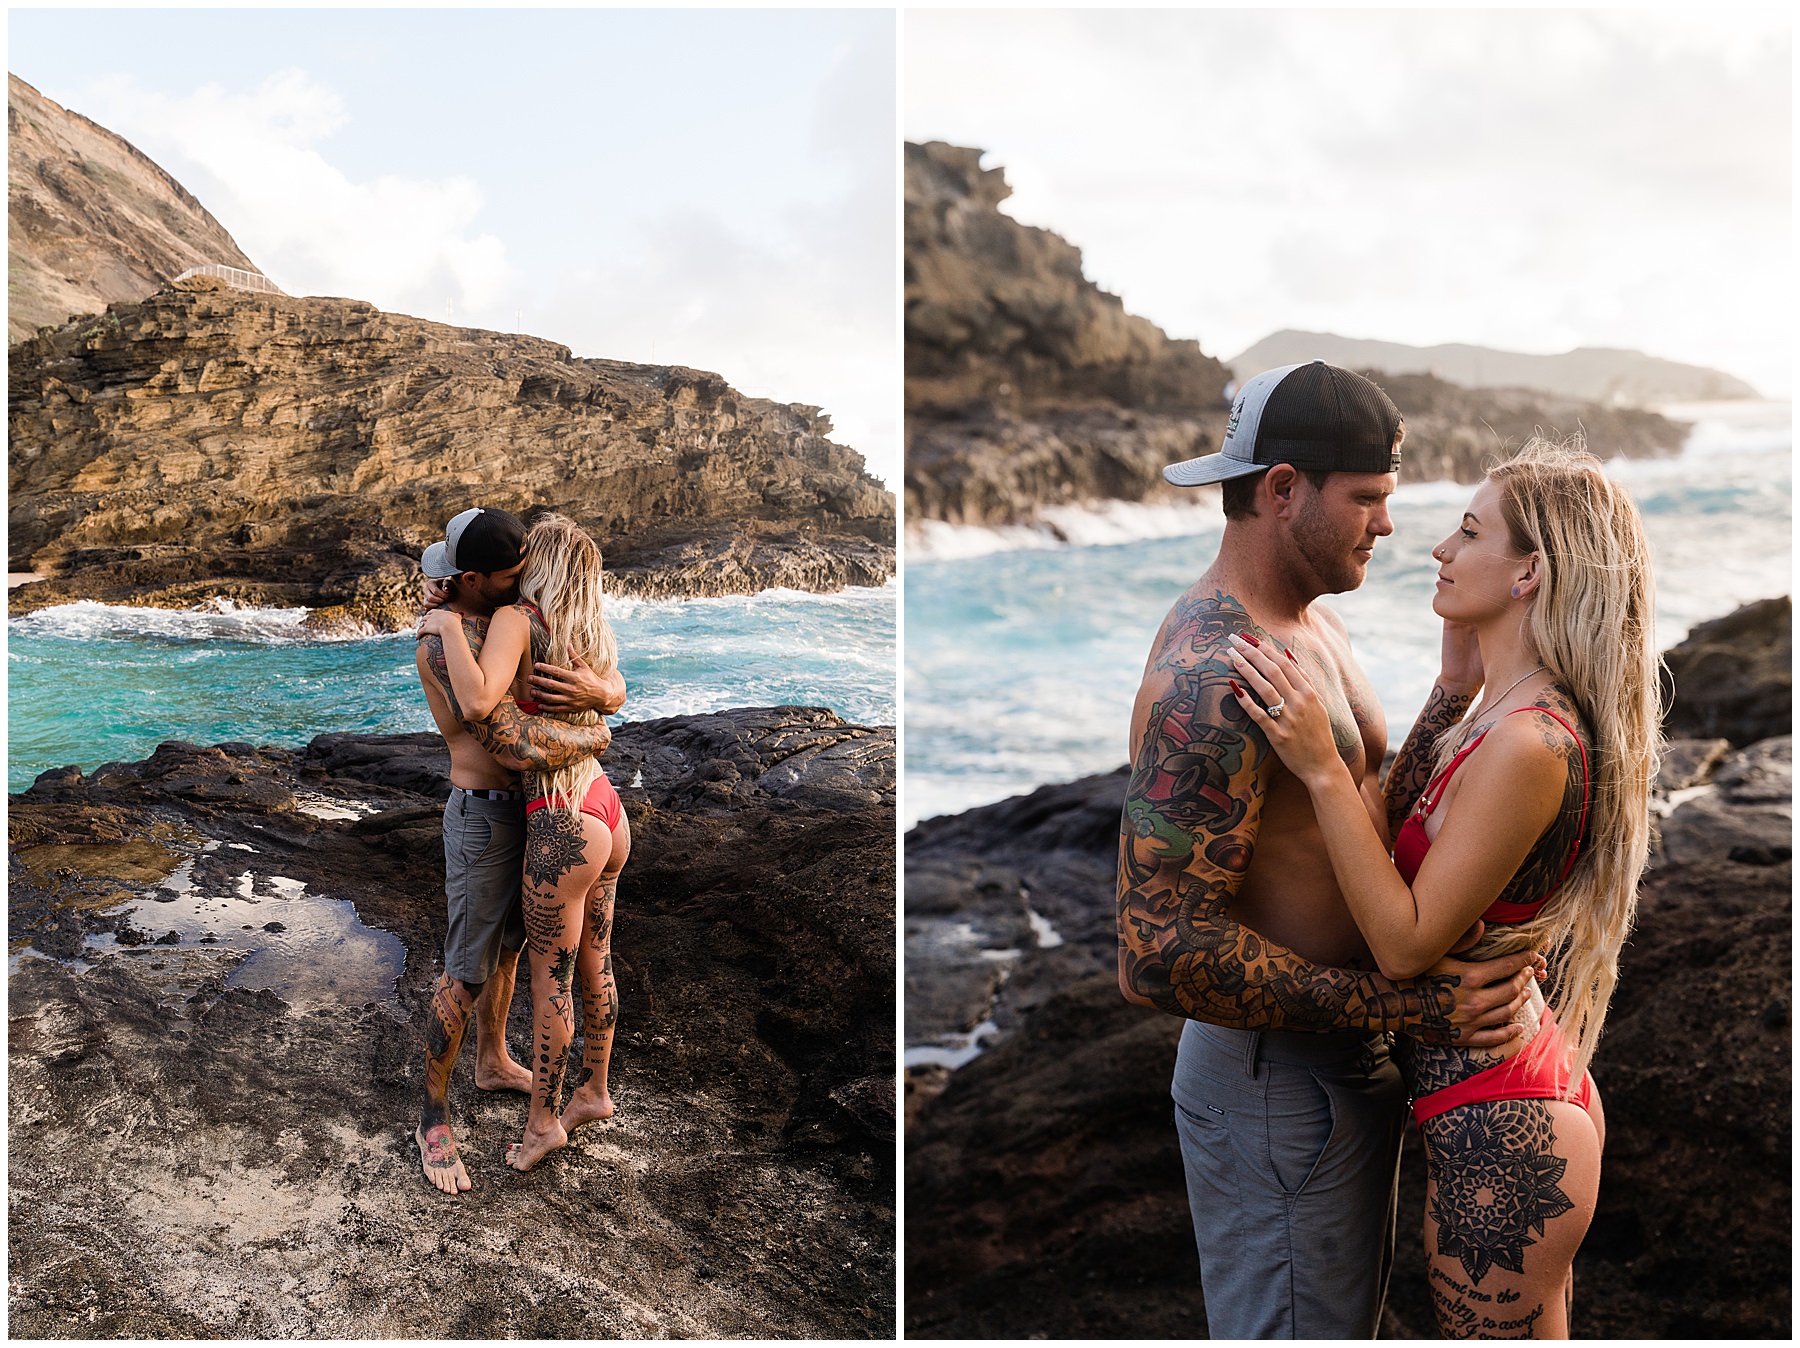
(191, 1156)
(90, 219)
(281, 451)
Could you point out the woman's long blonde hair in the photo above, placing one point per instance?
(564, 579)
(1593, 627)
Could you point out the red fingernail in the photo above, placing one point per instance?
(1290, 655)
(1234, 687)
(1252, 640)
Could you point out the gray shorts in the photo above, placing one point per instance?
(1291, 1143)
(484, 853)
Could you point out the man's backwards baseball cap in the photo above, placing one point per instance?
(476, 540)
(1312, 416)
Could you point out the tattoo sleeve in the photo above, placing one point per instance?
(1187, 836)
(540, 743)
(537, 743)
(1411, 772)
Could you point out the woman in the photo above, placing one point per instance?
(577, 836)
(1531, 816)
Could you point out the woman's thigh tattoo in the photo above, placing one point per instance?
(1498, 1182)
(553, 846)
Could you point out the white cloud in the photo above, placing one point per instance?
(1530, 179)
(253, 159)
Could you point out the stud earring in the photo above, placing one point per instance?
(1515, 592)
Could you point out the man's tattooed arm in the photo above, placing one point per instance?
(537, 743)
(525, 743)
(1192, 812)
(1407, 779)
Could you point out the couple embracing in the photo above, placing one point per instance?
(1341, 947)
(519, 665)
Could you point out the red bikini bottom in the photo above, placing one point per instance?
(1539, 1071)
(601, 801)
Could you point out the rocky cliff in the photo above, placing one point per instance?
(1589, 373)
(1045, 1195)
(193, 1157)
(206, 441)
(90, 219)
(1027, 386)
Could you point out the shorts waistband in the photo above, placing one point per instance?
(486, 794)
(1295, 1048)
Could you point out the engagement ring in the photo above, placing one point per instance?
(1275, 711)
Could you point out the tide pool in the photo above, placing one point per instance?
(92, 683)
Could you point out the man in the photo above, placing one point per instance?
(1288, 1107)
(475, 570)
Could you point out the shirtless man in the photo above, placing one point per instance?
(475, 570)
(1288, 1107)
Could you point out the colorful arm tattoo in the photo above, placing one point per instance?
(539, 744)
(1411, 773)
(1188, 833)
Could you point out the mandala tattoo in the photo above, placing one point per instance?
(1496, 1182)
(553, 846)
(1187, 834)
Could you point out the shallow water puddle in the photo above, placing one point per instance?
(311, 950)
(308, 949)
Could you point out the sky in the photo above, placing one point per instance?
(1530, 180)
(714, 189)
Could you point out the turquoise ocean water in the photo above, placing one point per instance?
(90, 683)
(1024, 647)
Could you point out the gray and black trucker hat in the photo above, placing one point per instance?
(1312, 416)
(477, 540)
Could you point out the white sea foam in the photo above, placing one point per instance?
(87, 620)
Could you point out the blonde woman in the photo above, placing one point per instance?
(577, 836)
(1529, 814)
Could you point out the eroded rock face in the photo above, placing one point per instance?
(90, 219)
(1028, 386)
(1733, 677)
(262, 1154)
(305, 451)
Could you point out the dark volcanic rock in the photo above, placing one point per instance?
(224, 1164)
(1733, 677)
(284, 451)
(1045, 1194)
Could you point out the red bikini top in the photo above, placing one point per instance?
(1411, 844)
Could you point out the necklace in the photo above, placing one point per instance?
(1466, 730)
(1535, 669)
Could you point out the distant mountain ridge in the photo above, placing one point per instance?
(91, 219)
(1600, 374)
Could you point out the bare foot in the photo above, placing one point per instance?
(585, 1106)
(437, 1152)
(504, 1075)
(535, 1147)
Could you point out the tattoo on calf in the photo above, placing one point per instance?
(1192, 811)
(1497, 1181)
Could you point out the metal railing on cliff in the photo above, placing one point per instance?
(235, 277)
